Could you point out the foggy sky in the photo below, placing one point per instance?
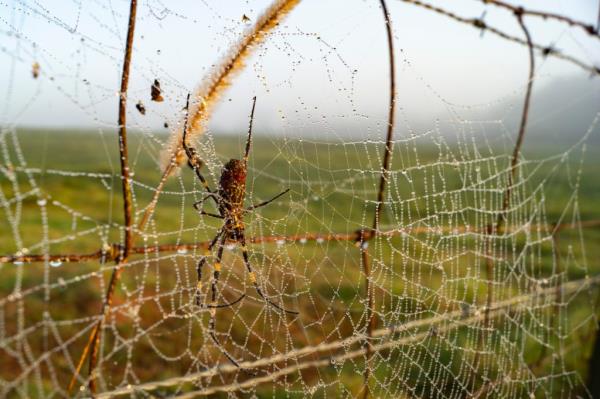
(324, 70)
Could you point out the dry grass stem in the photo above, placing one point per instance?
(206, 96)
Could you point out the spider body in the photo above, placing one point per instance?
(232, 192)
(229, 200)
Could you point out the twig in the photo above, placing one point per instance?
(501, 221)
(114, 278)
(481, 25)
(127, 208)
(385, 169)
(588, 28)
(522, 127)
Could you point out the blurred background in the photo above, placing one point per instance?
(321, 80)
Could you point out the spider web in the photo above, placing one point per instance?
(445, 322)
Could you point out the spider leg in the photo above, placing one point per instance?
(214, 215)
(249, 139)
(260, 204)
(198, 203)
(201, 264)
(194, 160)
(213, 305)
(226, 304)
(197, 206)
(242, 239)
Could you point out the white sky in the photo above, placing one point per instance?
(302, 83)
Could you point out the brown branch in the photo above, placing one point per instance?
(481, 25)
(385, 170)
(522, 127)
(588, 28)
(501, 221)
(114, 254)
(96, 335)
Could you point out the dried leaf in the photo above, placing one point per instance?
(156, 92)
(35, 70)
(140, 107)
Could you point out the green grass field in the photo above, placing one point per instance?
(333, 187)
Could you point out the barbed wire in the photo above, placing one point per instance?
(588, 28)
(112, 252)
(479, 24)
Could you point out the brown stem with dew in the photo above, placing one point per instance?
(95, 337)
(385, 169)
(498, 227)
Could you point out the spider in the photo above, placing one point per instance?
(229, 200)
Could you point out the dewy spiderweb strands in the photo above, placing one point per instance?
(446, 327)
(418, 331)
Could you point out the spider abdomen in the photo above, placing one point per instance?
(232, 186)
